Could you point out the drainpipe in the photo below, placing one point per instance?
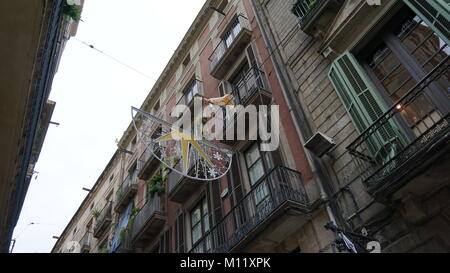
(301, 124)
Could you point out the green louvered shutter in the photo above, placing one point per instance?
(361, 101)
(436, 13)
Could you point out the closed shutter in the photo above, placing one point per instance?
(179, 233)
(361, 101)
(436, 13)
(164, 242)
(216, 200)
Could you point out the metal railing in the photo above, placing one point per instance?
(129, 181)
(303, 9)
(175, 178)
(152, 206)
(281, 184)
(105, 215)
(409, 128)
(253, 80)
(235, 28)
(85, 242)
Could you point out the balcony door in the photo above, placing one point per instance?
(258, 166)
(398, 59)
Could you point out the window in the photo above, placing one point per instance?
(156, 107)
(373, 80)
(133, 144)
(186, 60)
(255, 164)
(232, 32)
(191, 91)
(200, 228)
(256, 170)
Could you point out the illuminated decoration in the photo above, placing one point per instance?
(181, 151)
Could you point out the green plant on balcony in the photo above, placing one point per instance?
(135, 211)
(123, 233)
(126, 230)
(312, 4)
(72, 11)
(96, 213)
(172, 161)
(119, 194)
(104, 250)
(156, 184)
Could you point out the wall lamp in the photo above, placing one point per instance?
(125, 151)
(217, 10)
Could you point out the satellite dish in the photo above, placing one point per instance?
(179, 150)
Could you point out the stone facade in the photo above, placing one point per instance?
(305, 52)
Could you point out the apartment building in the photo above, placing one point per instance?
(374, 79)
(267, 202)
(33, 36)
(363, 96)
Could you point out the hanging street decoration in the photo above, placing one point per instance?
(179, 150)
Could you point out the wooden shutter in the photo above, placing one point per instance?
(361, 100)
(179, 234)
(164, 242)
(214, 202)
(435, 13)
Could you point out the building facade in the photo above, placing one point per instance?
(33, 35)
(375, 79)
(363, 96)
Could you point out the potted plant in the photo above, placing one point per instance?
(96, 213)
(156, 184)
(72, 11)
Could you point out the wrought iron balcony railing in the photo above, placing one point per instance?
(304, 9)
(280, 186)
(126, 191)
(85, 242)
(236, 31)
(148, 222)
(103, 220)
(248, 86)
(405, 134)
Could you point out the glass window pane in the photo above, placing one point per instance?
(196, 233)
(256, 172)
(195, 216)
(252, 155)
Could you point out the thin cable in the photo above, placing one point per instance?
(114, 59)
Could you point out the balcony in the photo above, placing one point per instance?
(85, 243)
(316, 15)
(103, 220)
(148, 162)
(252, 89)
(181, 188)
(126, 192)
(148, 222)
(125, 245)
(415, 159)
(232, 44)
(275, 208)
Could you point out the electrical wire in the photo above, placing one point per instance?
(114, 59)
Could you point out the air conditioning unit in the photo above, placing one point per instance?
(320, 144)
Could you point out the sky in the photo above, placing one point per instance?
(93, 96)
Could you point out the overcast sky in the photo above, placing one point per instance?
(93, 96)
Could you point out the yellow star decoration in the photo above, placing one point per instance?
(186, 141)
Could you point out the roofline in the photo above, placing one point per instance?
(86, 199)
(175, 60)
